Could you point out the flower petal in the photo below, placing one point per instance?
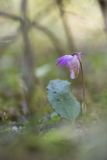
(72, 74)
(75, 64)
(64, 60)
(72, 62)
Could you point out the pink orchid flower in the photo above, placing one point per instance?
(73, 62)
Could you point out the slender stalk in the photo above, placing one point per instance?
(83, 83)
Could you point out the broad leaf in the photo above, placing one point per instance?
(62, 100)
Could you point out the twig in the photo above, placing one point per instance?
(51, 36)
(9, 39)
(11, 16)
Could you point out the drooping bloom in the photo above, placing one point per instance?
(72, 62)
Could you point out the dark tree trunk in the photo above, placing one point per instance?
(67, 29)
(103, 6)
(28, 58)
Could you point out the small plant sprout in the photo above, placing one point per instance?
(74, 64)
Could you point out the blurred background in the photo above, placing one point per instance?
(33, 34)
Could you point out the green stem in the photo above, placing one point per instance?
(83, 83)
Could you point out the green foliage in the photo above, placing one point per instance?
(62, 100)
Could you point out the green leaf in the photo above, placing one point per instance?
(62, 100)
